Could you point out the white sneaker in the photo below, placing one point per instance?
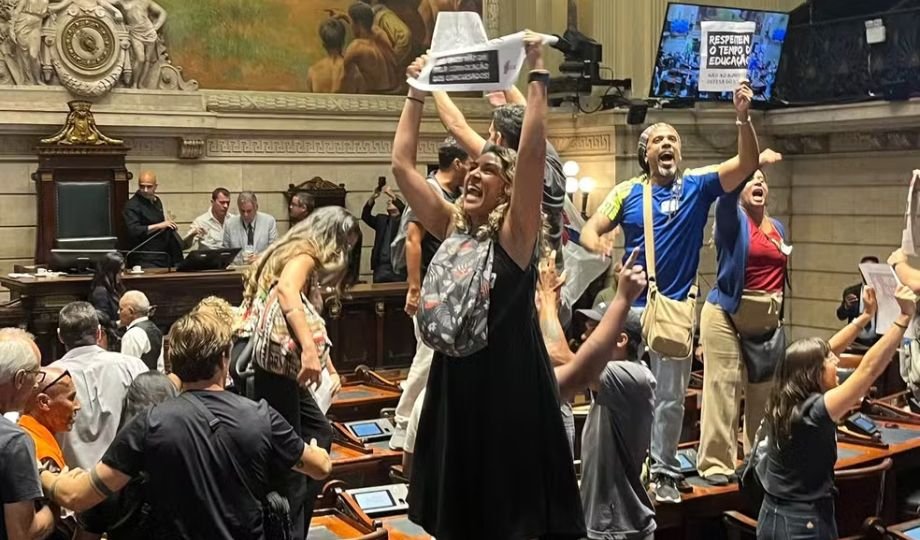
(398, 440)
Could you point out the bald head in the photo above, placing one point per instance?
(147, 184)
(54, 402)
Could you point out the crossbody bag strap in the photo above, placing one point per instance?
(195, 401)
(648, 226)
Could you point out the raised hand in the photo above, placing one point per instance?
(870, 304)
(907, 300)
(415, 68)
(533, 49)
(632, 281)
(769, 157)
(742, 99)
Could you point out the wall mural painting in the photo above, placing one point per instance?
(330, 46)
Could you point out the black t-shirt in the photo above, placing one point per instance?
(18, 471)
(802, 468)
(208, 484)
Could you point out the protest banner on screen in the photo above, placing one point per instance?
(725, 51)
(910, 239)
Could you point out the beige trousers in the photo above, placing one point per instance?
(725, 380)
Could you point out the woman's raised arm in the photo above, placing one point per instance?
(432, 210)
(522, 226)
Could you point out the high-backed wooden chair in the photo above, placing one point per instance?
(861, 492)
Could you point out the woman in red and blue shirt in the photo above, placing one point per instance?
(747, 300)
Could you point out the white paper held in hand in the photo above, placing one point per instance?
(910, 237)
(323, 393)
(882, 278)
(459, 62)
(725, 52)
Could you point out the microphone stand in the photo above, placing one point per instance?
(142, 244)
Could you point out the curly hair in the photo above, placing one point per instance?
(508, 159)
(324, 236)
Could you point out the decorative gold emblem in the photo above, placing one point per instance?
(80, 128)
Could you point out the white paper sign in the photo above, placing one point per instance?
(493, 65)
(455, 30)
(881, 277)
(322, 394)
(725, 51)
(910, 239)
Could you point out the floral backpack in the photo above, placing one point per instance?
(453, 312)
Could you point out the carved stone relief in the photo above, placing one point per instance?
(87, 46)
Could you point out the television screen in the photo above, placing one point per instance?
(677, 67)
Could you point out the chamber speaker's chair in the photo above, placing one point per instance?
(861, 493)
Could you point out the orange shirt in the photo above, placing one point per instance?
(46, 447)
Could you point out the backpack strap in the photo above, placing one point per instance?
(648, 226)
(196, 403)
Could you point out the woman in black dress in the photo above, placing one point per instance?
(491, 457)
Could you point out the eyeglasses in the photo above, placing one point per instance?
(54, 382)
(39, 375)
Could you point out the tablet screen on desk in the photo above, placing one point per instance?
(372, 500)
(685, 463)
(366, 429)
(913, 533)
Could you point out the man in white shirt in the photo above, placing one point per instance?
(101, 378)
(142, 338)
(210, 225)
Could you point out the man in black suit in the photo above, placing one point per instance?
(149, 232)
(851, 307)
(385, 226)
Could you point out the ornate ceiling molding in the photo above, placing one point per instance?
(311, 148)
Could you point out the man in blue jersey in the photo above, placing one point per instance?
(681, 199)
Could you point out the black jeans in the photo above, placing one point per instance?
(298, 407)
(788, 520)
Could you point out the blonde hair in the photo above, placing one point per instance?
(198, 343)
(218, 307)
(323, 235)
(508, 159)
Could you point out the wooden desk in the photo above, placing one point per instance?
(363, 394)
(369, 327)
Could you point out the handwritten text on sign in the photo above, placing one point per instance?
(725, 53)
(728, 50)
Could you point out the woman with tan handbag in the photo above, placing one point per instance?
(745, 303)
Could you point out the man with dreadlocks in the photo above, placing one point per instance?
(681, 199)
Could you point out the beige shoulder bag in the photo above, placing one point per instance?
(667, 325)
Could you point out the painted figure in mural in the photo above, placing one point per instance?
(144, 18)
(429, 10)
(26, 34)
(397, 31)
(370, 53)
(327, 75)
